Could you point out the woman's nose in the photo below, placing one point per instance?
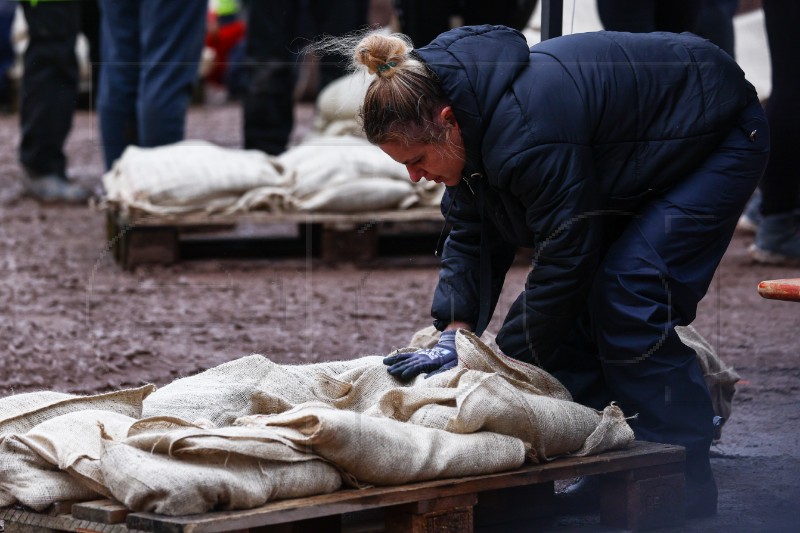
(415, 173)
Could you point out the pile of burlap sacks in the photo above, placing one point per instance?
(334, 169)
(251, 431)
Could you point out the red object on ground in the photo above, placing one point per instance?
(221, 39)
(780, 289)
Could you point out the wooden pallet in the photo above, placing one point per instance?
(331, 237)
(642, 489)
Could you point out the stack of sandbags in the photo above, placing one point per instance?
(343, 174)
(250, 431)
(49, 443)
(191, 176)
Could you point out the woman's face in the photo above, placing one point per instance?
(441, 162)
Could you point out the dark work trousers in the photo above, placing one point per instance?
(150, 61)
(7, 10)
(424, 20)
(658, 266)
(273, 51)
(715, 23)
(643, 16)
(49, 89)
(780, 186)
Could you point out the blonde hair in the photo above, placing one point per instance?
(404, 100)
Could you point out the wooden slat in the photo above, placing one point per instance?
(19, 521)
(311, 217)
(638, 455)
(780, 289)
(102, 511)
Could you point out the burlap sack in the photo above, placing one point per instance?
(339, 102)
(152, 482)
(72, 443)
(611, 433)
(188, 176)
(720, 378)
(256, 385)
(220, 395)
(381, 451)
(22, 412)
(179, 438)
(320, 162)
(474, 354)
(28, 479)
(503, 396)
(6, 499)
(354, 195)
(478, 401)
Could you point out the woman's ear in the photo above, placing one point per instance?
(447, 116)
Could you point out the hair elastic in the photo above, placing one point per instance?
(386, 66)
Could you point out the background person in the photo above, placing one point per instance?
(48, 97)
(423, 20)
(778, 232)
(150, 60)
(272, 52)
(628, 205)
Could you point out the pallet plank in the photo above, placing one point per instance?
(136, 238)
(643, 489)
(102, 511)
(638, 455)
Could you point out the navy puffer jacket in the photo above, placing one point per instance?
(554, 135)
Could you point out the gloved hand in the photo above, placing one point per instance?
(441, 357)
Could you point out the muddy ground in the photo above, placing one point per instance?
(72, 320)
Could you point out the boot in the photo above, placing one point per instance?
(53, 188)
(777, 240)
(751, 217)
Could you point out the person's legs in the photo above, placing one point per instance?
(715, 23)
(7, 10)
(636, 16)
(422, 20)
(267, 105)
(172, 36)
(513, 13)
(652, 279)
(778, 237)
(677, 15)
(337, 18)
(49, 85)
(90, 26)
(119, 77)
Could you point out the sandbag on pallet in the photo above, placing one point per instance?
(299, 429)
(21, 412)
(57, 460)
(194, 483)
(380, 451)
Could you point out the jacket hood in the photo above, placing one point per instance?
(475, 66)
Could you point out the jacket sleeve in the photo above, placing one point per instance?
(557, 184)
(457, 295)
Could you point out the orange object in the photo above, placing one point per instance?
(780, 289)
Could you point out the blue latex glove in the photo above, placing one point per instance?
(443, 356)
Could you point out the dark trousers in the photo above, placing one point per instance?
(150, 60)
(7, 9)
(49, 84)
(780, 187)
(273, 50)
(424, 20)
(642, 16)
(659, 263)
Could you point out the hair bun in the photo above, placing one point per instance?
(381, 54)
